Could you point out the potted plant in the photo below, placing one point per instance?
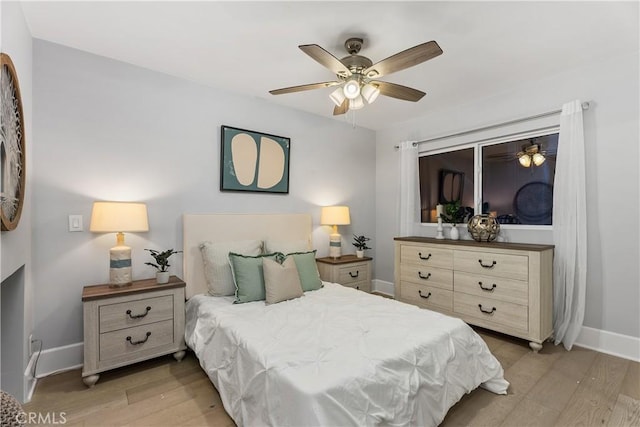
(161, 264)
(360, 242)
(453, 214)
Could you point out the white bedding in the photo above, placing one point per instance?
(337, 357)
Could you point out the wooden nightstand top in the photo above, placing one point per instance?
(344, 259)
(138, 286)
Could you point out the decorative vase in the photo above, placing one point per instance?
(360, 254)
(455, 234)
(162, 277)
(483, 228)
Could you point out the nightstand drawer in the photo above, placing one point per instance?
(353, 273)
(134, 313)
(361, 286)
(131, 340)
(492, 264)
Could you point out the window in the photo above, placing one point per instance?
(514, 179)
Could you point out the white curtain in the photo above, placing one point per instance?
(569, 228)
(407, 188)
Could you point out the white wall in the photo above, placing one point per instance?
(107, 130)
(611, 138)
(16, 244)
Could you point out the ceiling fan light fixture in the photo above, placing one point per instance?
(337, 96)
(351, 88)
(356, 103)
(538, 159)
(370, 92)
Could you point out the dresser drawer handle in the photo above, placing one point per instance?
(139, 342)
(138, 316)
(493, 263)
(487, 289)
(486, 311)
(357, 274)
(423, 296)
(424, 277)
(424, 258)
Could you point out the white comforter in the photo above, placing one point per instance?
(337, 357)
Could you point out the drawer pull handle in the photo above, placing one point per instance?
(487, 289)
(486, 311)
(424, 277)
(493, 263)
(139, 342)
(357, 274)
(138, 316)
(424, 258)
(358, 287)
(422, 296)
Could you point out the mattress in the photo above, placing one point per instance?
(335, 357)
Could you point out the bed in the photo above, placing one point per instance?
(335, 356)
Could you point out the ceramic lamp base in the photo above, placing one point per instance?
(120, 266)
(335, 245)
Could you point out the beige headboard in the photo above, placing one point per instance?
(198, 228)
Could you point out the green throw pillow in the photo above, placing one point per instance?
(307, 269)
(248, 276)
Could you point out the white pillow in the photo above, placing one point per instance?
(217, 270)
(286, 246)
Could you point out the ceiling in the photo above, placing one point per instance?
(251, 47)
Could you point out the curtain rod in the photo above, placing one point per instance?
(585, 106)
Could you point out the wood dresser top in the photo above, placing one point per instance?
(138, 286)
(473, 243)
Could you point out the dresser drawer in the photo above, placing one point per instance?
(132, 340)
(492, 264)
(426, 296)
(353, 273)
(429, 276)
(503, 313)
(136, 312)
(361, 286)
(426, 256)
(515, 291)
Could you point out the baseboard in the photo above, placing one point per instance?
(611, 343)
(58, 359)
(383, 287)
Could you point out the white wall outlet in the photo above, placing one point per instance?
(75, 223)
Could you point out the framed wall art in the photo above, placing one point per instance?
(12, 149)
(254, 161)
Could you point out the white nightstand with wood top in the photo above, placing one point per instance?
(129, 324)
(347, 270)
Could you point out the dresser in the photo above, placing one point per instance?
(347, 270)
(132, 323)
(505, 287)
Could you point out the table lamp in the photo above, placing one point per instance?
(335, 216)
(119, 217)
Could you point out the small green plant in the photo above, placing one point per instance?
(162, 259)
(453, 213)
(360, 242)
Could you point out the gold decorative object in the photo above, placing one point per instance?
(483, 228)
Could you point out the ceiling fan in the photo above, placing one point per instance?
(356, 75)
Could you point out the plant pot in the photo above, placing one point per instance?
(455, 233)
(162, 277)
(360, 254)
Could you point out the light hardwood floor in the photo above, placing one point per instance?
(551, 388)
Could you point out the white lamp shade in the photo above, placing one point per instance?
(370, 93)
(337, 96)
(351, 88)
(538, 159)
(356, 103)
(115, 217)
(335, 215)
(525, 160)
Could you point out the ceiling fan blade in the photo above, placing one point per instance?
(398, 91)
(325, 59)
(405, 59)
(303, 88)
(343, 108)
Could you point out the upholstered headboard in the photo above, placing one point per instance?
(198, 228)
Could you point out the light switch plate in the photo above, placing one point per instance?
(75, 223)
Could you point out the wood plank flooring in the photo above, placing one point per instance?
(551, 388)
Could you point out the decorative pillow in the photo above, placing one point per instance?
(286, 246)
(248, 276)
(217, 270)
(307, 269)
(281, 281)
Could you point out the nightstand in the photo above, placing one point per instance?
(130, 324)
(348, 270)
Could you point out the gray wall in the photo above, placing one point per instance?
(611, 139)
(107, 130)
